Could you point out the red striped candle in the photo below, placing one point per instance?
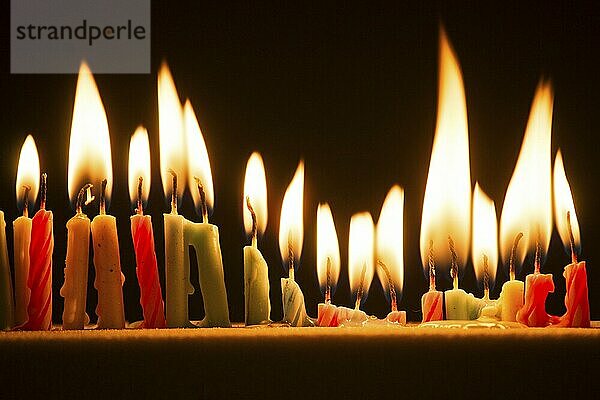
(576, 299)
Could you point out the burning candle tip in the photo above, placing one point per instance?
(103, 197)
(202, 200)
(571, 239)
(388, 275)
(513, 255)
(454, 263)
(431, 261)
(254, 226)
(360, 291)
(44, 187)
(84, 197)
(26, 190)
(173, 192)
(140, 206)
(328, 282)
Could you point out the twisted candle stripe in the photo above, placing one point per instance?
(328, 315)
(576, 299)
(432, 306)
(147, 272)
(39, 280)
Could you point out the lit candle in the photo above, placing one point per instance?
(173, 168)
(291, 237)
(328, 265)
(390, 251)
(485, 247)
(447, 203)
(203, 236)
(7, 307)
(151, 300)
(28, 181)
(256, 272)
(527, 208)
(361, 253)
(432, 301)
(576, 298)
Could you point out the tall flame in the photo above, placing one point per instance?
(485, 236)
(447, 202)
(390, 240)
(198, 162)
(563, 203)
(255, 189)
(291, 226)
(171, 134)
(28, 172)
(527, 204)
(361, 253)
(139, 164)
(328, 249)
(89, 147)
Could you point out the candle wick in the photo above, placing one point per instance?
(328, 282)
(202, 200)
(84, 197)
(26, 190)
(454, 263)
(537, 260)
(291, 260)
(388, 275)
(359, 292)
(431, 261)
(513, 256)
(486, 279)
(174, 192)
(103, 197)
(140, 205)
(254, 227)
(44, 187)
(571, 238)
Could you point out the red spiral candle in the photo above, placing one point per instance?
(576, 299)
(39, 280)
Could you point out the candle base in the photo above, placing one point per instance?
(351, 317)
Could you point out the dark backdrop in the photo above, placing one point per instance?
(351, 88)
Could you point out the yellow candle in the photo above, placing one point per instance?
(6, 292)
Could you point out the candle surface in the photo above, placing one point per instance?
(39, 281)
(431, 304)
(147, 272)
(327, 315)
(576, 299)
(533, 313)
(294, 312)
(109, 278)
(256, 287)
(461, 305)
(510, 300)
(22, 238)
(7, 307)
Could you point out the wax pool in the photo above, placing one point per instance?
(256, 287)
(6, 292)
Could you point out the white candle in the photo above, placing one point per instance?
(7, 307)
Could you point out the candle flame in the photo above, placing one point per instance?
(527, 204)
(563, 203)
(28, 172)
(360, 253)
(89, 147)
(447, 201)
(255, 190)
(198, 162)
(390, 240)
(291, 225)
(485, 236)
(171, 134)
(328, 249)
(139, 165)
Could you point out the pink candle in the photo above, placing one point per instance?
(39, 280)
(533, 313)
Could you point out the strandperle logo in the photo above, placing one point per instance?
(54, 36)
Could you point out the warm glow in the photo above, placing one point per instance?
(255, 188)
(171, 134)
(390, 239)
(527, 205)
(28, 172)
(89, 147)
(198, 162)
(447, 202)
(139, 164)
(563, 202)
(485, 236)
(360, 252)
(328, 248)
(291, 226)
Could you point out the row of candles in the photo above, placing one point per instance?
(453, 215)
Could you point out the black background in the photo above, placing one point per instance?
(351, 89)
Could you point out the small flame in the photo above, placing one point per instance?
(171, 134)
(360, 253)
(89, 147)
(447, 202)
(291, 226)
(328, 248)
(563, 203)
(485, 236)
(255, 189)
(527, 204)
(390, 240)
(28, 172)
(139, 165)
(198, 162)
